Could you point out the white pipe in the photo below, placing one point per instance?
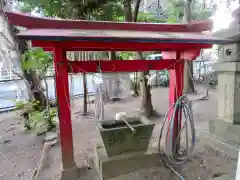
(238, 167)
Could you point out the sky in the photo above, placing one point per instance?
(222, 17)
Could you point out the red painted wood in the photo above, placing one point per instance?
(120, 65)
(179, 73)
(62, 92)
(188, 54)
(119, 46)
(36, 22)
(175, 91)
(48, 49)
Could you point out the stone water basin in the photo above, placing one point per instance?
(118, 138)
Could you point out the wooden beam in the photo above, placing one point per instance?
(119, 46)
(119, 65)
(188, 54)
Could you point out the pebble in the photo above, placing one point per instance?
(4, 141)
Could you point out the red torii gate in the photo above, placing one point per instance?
(178, 42)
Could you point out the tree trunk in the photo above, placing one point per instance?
(128, 10)
(85, 89)
(188, 80)
(129, 17)
(135, 85)
(36, 88)
(188, 66)
(146, 104)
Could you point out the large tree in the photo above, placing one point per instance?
(186, 11)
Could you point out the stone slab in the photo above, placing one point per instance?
(110, 167)
(226, 131)
(70, 174)
(228, 91)
(205, 138)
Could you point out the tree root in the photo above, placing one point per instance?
(44, 157)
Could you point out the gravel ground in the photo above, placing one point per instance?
(20, 150)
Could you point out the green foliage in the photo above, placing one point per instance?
(35, 119)
(144, 17)
(147, 17)
(28, 105)
(113, 10)
(110, 11)
(23, 7)
(41, 119)
(36, 59)
(126, 55)
(200, 10)
(75, 9)
(20, 105)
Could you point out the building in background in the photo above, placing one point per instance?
(9, 56)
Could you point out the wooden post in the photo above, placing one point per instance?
(176, 84)
(62, 94)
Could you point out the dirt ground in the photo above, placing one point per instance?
(20, 150)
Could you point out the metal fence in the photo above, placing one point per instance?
(7, 75)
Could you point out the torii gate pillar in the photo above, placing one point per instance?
(69, 168)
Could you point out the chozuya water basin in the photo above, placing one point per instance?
(118, 138)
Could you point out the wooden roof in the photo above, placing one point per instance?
(118, 36)
(25, 20)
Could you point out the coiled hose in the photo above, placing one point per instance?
(170, 155)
